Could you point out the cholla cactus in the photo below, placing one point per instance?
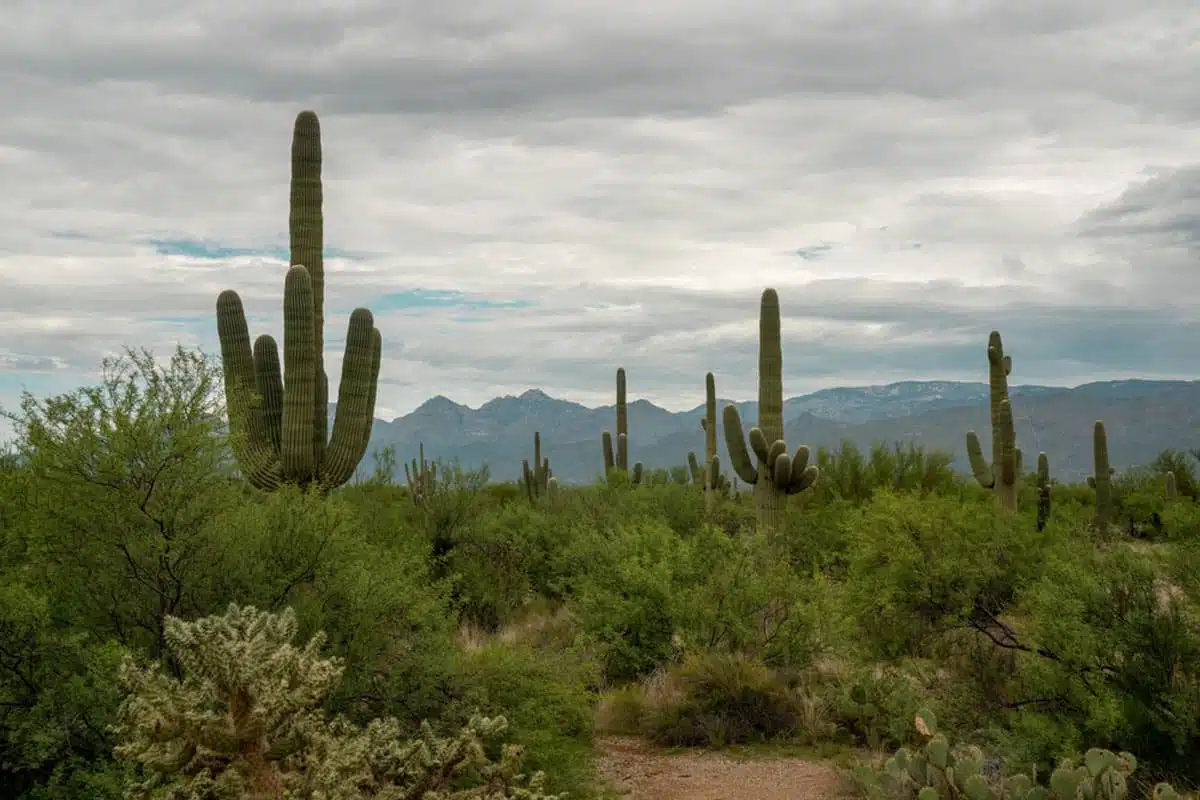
(246, 723)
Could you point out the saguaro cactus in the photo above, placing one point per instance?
(1101, 480)
(422, 479)
(537, 479)
(776, 474)
(1001, 475)
(709, 475)
(622, 459)
(1043, 491)
(279, 423)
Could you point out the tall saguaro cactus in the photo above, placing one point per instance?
(279, 423)
(776, 474)
(622, 459)
(1001, 475)
(1101, 479)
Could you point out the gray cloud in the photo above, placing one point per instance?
(908, 176)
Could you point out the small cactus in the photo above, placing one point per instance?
(537, 479)
(1101, 479)
(1043, 491)
(1172, 491)
(1001, 475)
(622, 459)
(709, 474)
(422, 479)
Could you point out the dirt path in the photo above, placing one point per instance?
(640, 771)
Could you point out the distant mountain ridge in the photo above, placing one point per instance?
(1143, 417)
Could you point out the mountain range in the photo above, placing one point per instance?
(1142, 417)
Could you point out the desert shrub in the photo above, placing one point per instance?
(1116, 640)
(921, 566)
(1181, 521)
(625, 599)
(710, 699)
(379, 606)
(543, 694)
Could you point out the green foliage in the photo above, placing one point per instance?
(1183, 467)
(120, 483)
(56, 699)
(543, 694)
(922, 566)
(892, 586)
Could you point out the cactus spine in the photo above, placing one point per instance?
(537, 481)
(279, 423)
(1043, 491)
(1101, 480)
(1001, 475)
(776, 474)
(622, 460)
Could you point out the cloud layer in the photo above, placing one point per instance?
(531, 193)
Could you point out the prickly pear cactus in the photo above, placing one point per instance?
(936, 771)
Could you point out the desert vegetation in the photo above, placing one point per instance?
(199, 600)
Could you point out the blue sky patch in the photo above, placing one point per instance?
(814, 253)
(415, 299)
(211, 251)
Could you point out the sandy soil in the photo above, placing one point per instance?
(641, 771)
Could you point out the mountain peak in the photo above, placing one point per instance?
(438, 404)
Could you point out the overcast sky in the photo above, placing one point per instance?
(533, 192)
